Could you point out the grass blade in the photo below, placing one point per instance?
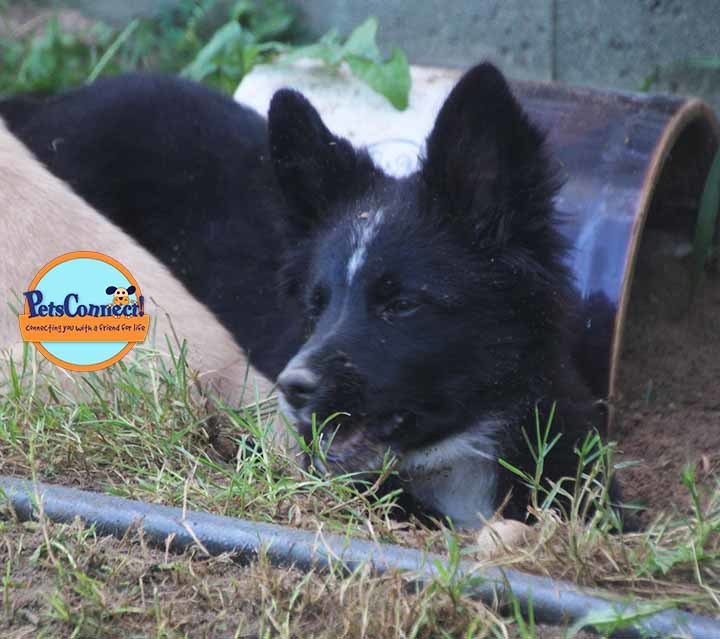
(112, 50)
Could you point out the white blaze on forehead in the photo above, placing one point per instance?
(364, 231)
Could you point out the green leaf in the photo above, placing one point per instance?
(271, 25)
(199, 68)
(706, 222)
(327, 49)
(391, 78)
(112, 50)
(249, 56)
(266, 20)
(241, 9)
(361, 41)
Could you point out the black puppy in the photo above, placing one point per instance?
(432, 310)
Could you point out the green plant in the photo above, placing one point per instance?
(234, 50)
(136, 430)
(539, 450)
(51, 60)
(390, 78)
(182, 41)
(252, 34)
(526, 628)
(580, 499)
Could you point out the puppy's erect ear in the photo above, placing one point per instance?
(315, 169)
(110, 290)
(130, 290)
(485, 163)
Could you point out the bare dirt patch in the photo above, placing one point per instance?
(669, 379)
(65, 581)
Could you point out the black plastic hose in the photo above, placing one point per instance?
(553, 601)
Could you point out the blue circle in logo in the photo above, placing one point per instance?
(88, 278)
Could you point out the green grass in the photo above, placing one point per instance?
(139, 430)
(191, 41)
(140, 433)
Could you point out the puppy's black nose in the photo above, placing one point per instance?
(297, 385)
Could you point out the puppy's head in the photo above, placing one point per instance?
(431, 301)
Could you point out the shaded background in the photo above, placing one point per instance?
(658, 45)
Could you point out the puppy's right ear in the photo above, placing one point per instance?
(487, 164)
(315, 169)
(110, 290)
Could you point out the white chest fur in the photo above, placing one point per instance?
(458, 475)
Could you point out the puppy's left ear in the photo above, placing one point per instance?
(315, 169)
(485, 163)
(130, 290)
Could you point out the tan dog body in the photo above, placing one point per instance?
(41, 218)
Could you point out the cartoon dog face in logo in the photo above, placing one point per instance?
(120, 295)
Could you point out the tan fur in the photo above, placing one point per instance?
(41, 218)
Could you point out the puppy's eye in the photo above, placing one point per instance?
(401, 307)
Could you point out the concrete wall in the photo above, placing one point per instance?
(113, 11)
(607, 43)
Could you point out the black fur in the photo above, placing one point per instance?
(460, 310)
(187, 172)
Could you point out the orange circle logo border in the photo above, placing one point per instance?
(66, 257)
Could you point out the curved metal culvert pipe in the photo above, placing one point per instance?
(553, 601)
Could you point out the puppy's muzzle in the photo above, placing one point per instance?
(298, 385)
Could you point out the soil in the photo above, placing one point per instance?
(668, 400)
(138, 590)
